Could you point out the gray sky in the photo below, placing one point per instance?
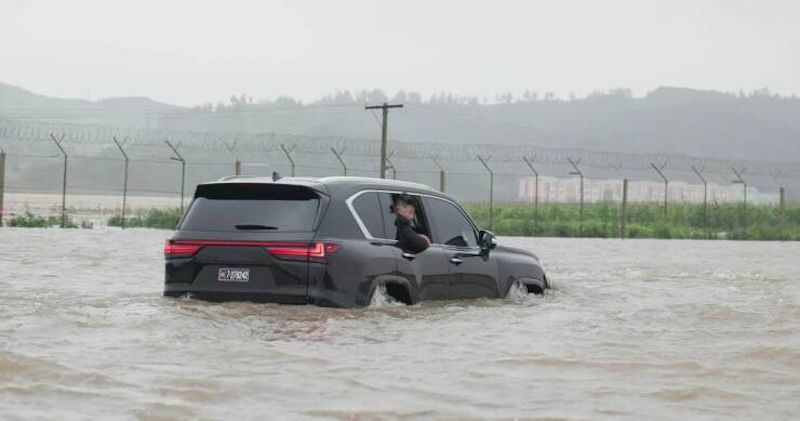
(189, 52)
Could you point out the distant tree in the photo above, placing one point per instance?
(378, 96)
(344, 97)
(400, 97)
(286, 101)
(414, 98)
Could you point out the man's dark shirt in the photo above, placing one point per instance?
(407, 238)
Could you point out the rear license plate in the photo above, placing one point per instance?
(233, 275)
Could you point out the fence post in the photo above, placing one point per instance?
(529, 162)
(338, 155)
(578, 172)
(237, 166)
(178, 157)
(623, 231)
(2, 182)
(58, 143)
(124, 179)
(491, 188)
(288, 151)
(666, 184)
(782, 204)
(705, 197)
(740, 180)
(441, 173)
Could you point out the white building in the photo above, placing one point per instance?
(567, 190)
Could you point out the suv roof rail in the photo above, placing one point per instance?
(233, 177)
(349, 179)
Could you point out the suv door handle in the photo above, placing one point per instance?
(456, 260)
(409, 256)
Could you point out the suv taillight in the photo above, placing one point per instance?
(280, 249)
(176, 248)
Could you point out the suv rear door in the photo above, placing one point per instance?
(248, 238)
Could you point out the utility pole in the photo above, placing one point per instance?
(384, 129)
(288, 151)
(178, 157)
(529, 162)
(491, 187)
(705, 196)
(58, 143)
(2, 181)
(740, 180)
(338, 155)
(124, 177)
(578, 172)
(441, 173)
(237, 165)
(666, 184)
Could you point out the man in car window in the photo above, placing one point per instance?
(408, 237)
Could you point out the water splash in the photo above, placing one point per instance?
(518, 293)
(381, 298)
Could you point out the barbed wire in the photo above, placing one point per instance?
(99, 137)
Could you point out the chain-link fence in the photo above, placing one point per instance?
(58, 169)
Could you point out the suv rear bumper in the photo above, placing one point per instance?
(319, 298)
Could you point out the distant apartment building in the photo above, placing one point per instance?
(567, 190)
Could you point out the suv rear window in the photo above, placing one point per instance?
(269, 207)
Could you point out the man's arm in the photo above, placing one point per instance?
(410, 241)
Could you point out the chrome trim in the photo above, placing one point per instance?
(354, 196)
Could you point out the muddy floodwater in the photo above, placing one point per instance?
(637, 329)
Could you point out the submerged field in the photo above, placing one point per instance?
(635, 329)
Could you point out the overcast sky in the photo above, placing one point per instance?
(190, 52)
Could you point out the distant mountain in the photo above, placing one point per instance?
(757, 126)
(17, 103)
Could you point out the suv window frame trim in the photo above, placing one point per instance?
(368, 236)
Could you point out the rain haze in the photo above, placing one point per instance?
(189, 53)
(387, 210)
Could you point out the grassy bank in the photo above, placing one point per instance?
(645, 220)
(29, 220)
(602, 220)
(150, 218)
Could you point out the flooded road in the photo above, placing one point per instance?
(633, 329)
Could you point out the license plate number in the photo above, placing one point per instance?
(233, 275)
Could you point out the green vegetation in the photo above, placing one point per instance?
(150, 218)
(602, 220)
(29, 220)
(645, 220)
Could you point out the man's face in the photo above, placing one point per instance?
(405, 210)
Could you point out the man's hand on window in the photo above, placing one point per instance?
(427, 240)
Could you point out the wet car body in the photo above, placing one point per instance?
(330, 242)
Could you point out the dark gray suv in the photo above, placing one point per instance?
(331, 242)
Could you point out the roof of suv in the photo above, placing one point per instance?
(319, 181)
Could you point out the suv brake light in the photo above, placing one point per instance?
(280, 249)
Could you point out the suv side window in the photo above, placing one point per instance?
(449, 225)
(367, 208)
(387, 213)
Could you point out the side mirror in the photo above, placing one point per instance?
(487, 241)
